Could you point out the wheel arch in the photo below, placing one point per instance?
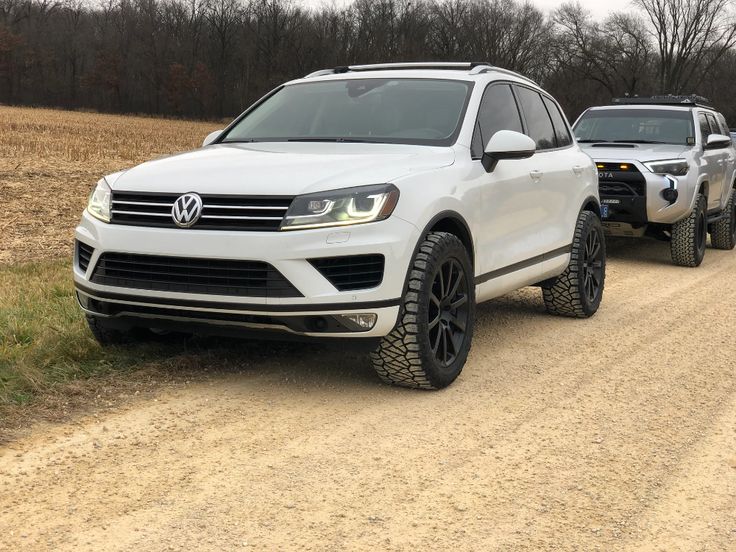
(704, 188)
(444, 221)
(453, 223)
(591, 204)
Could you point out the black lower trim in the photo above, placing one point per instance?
(347, 342)
(522, 264)
(240, 306)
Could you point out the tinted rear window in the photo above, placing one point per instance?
(537, 119)
(558, 121)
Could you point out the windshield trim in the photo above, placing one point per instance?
(443, 142)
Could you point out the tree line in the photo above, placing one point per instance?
(212, 58)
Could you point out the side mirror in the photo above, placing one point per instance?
(717, 141)
(211, 137)
(507, 144)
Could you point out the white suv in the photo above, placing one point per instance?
(368, 203)
(667, 169)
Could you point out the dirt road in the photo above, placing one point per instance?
(616, 433)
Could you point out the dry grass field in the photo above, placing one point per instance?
(50, 159)
(49, 162)
(614, 433)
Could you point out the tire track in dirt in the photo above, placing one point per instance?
(561, 434)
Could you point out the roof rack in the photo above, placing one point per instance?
(668, 99)
(474, 68)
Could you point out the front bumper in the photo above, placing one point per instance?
(315, 314)
(635, 197)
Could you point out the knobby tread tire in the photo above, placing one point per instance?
(404, 356)
(723, 232)
(565, 297)
(683, 246)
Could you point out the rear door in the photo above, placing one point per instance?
(714, 159)
(730, 160)
(512, 211)
(553, 169)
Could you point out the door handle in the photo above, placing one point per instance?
(536, 175)
(578, 169)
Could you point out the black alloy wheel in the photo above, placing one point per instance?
(430, 343)
(593, 261)
(448, 312)
(701, 233)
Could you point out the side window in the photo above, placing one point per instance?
(704, 126)
(714, 129)
(498, 111)
(724, 126)
(558, 122)
(537, 119)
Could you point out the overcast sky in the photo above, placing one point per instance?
(599, 8)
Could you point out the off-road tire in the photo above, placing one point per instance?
(106, 335)
(405, 357)
(690, 235)
(723, 232)
(567, 295)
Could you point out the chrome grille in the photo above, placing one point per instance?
(220, 212)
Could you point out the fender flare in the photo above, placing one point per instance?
(591, 201)
(447, 214)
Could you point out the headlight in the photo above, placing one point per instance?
(341, 207)
(675, 167)
(99, 202)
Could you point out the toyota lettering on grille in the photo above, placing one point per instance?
(186, 210)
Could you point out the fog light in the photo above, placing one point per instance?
(360, 321)
(670, 194)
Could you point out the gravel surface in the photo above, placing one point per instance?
(615, 433)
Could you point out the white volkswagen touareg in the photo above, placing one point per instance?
(378, 203)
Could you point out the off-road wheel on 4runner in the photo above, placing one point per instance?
(430, 344)
(577, 292)
(723, 232)
(689, 236)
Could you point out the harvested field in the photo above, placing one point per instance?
(50, 160)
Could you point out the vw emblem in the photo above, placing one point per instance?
(186, 210)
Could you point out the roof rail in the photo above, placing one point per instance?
(474, 67)
(667, 99)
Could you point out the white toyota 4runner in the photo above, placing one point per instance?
(378, 203)
(667, 169)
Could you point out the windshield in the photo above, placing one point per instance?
(643, 126)
(401, 111)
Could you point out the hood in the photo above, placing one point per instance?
(638, 152)
(281, 168)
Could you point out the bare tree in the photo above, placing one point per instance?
(691, 35)
(616, 54)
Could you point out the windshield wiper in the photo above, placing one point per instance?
(351, 140)
(638, 142)
(244, 141)
(592, 141)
